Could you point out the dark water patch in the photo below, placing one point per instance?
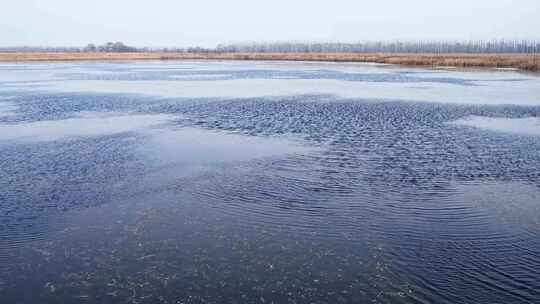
(38, 179)
(46, 106)
(87, 169)
(184, 250)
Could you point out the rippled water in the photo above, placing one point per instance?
(268, 182)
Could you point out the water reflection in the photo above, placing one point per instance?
(87, 124)
(496, 92)
(198, 146)
(525, 126)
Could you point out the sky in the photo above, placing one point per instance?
(208, 23)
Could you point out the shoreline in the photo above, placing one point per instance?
(522, 62)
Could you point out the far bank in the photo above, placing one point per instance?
(525, 62)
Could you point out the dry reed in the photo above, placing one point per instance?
(528, 62)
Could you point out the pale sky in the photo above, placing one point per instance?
(207, 23)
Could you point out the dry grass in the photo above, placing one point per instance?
(517, 61)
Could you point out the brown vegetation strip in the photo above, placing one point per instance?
(528, 62)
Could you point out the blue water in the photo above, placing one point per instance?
(259, 182)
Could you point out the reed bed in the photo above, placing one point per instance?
(526, 62)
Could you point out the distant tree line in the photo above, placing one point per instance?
(495, 46)
(472, 47)
(38, 49)
(110, 47)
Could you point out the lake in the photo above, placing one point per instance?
(268, 182)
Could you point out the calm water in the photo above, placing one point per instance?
(258, 182)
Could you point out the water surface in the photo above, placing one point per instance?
(261, 182)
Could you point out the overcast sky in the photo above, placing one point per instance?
(207, 23)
